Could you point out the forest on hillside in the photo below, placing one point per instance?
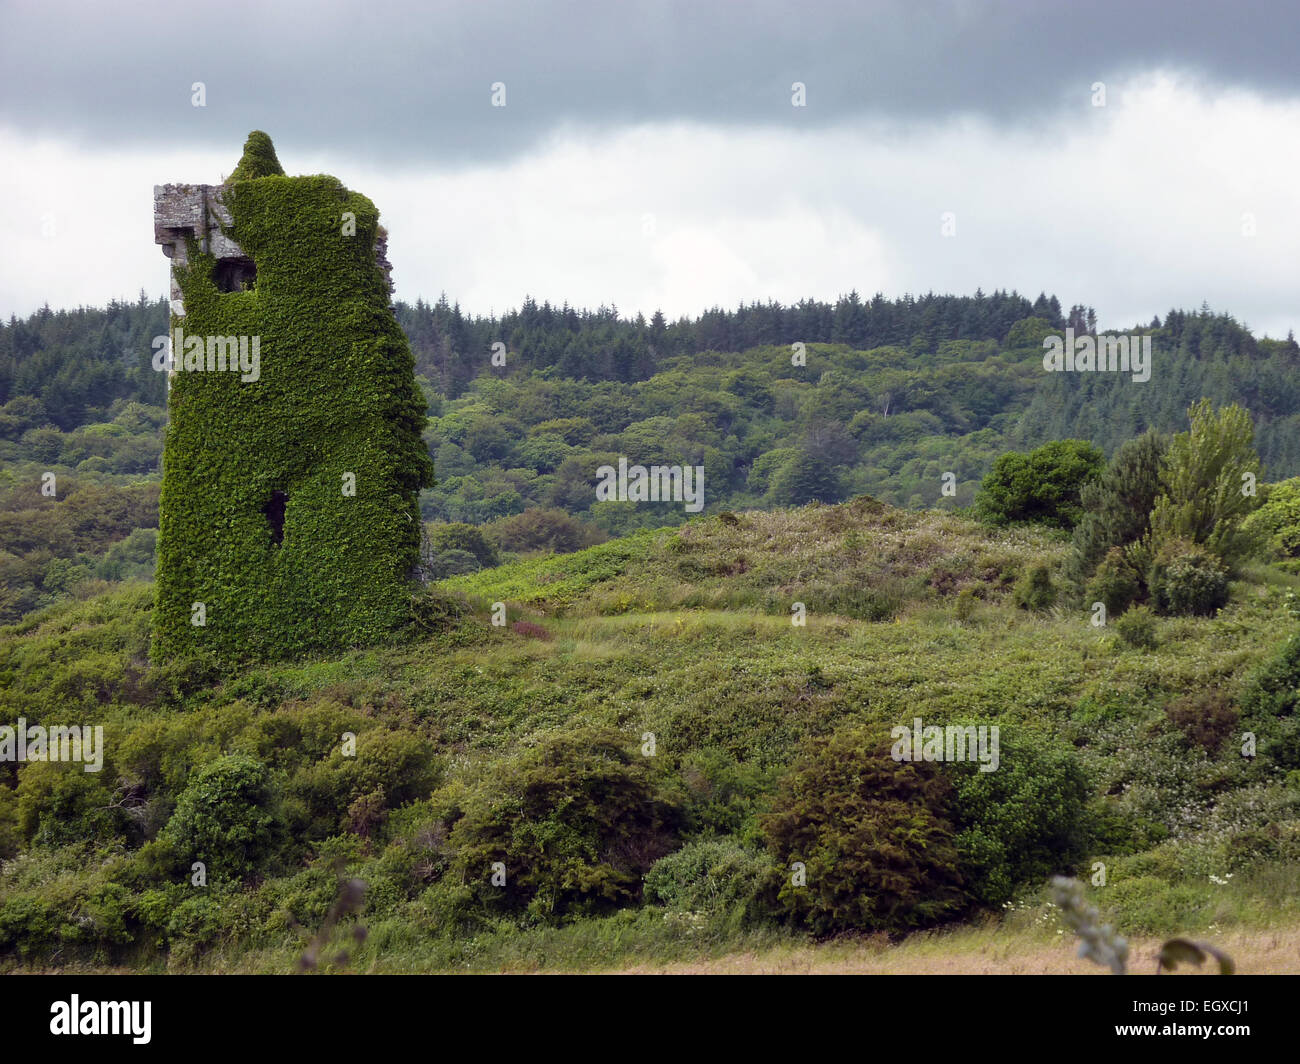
(881, 397)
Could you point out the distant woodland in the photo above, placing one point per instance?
(891, 395)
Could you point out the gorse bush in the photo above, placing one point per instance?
(1206, 718)
(355, 791)
(872, 834)
(576, 822)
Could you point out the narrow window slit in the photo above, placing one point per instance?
(274, 511)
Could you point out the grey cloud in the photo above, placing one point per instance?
(409, 82)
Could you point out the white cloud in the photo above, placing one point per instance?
(1132, 208)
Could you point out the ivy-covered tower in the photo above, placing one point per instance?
(289, 517)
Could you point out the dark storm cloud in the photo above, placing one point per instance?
(410, 82)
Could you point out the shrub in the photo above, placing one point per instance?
(1116, 583)
(1187, 580)
(1137, 628)
(28, 924)
(56, 806)
(1269, 703)
(433, 611)
(1149, 906)
(458, 536)
(1206, 718)
(1277, 521)
(1117, 511)
(872, 834)
(1035, 590)
(1201, 481)
(228, 817)
(723, 795)
(1042, 486)
(441, 564)
(1021, 823)
(716, 875)
(543, 530)
(355, 793)
(1273, 689)
(576, 822)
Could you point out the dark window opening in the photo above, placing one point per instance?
(234, 275)
(274, 511)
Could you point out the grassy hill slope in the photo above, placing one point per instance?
(683, 633)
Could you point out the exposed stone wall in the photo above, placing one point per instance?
(198, 212)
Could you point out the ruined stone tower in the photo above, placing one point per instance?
(289, 516)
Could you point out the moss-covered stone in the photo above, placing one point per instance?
(255, 519)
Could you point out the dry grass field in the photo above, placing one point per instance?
(1273, 951)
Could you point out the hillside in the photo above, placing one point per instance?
(893, 396)
(527, 744)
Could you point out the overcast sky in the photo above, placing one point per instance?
(651, 156)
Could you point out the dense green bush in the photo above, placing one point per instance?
(872, 834)
(716, 875)
(723, 795)
(57, 804)
(1023, 822)
(543, 530)
(463, 538)
(1269, 702)
(1204, 494)
(1117, 512)
(576, 822)
(444, 563)
(1137, 628)
(1116, 583)
(1042, 486)
(1277, 521)
(228, 817)
(131, 558)
(356, 792)
(1187, 580)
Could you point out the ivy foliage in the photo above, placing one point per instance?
(335, 395)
